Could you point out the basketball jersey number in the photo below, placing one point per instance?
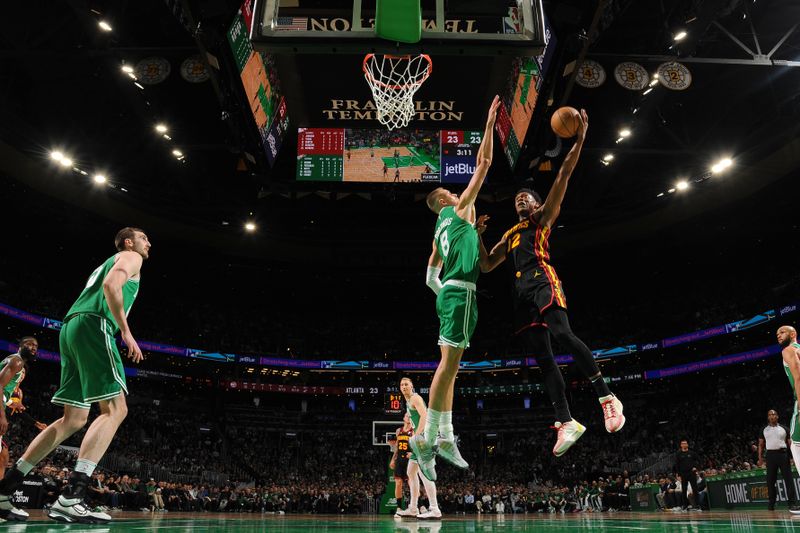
(93, 277)
(445, 244)
(514, 241)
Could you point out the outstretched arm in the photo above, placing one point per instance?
(483, 162)
(551, 208)
(11, 369)
(489, 260)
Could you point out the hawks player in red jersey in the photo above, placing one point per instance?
(539, 302)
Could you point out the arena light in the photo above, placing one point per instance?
(131, 75)
(682, 185)
(681, 35)
(624, 132)
(721, 165)
(654, 82)
(635, 110)
(138, 85)
(177, 153)
(659, 195)
(671, 191)
(127, 69)
(619, 140)
(167, 137)
(161, 128)
(65, 162)
(648, 91)
(99, 179)
(105, 26)
(56, 155)
(250, 226)
(608, 157)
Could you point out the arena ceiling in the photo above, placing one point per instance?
(62, 88)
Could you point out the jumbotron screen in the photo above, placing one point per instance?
(408, 156)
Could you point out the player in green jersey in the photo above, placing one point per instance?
(417, 414)
(91, 371)
(455, 256)
(787, 338)
(12, 372)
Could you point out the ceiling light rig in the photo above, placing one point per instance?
(105, 26)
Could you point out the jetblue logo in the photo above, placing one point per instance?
(651, 346)
(378, 364)
(247, 359)
(788, 309)
(459, 169)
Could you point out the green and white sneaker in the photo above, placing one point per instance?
(448, 450)
(425, 456)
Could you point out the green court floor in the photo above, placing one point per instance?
(755, 521)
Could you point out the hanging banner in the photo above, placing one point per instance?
(674, 76)
(591, 74)
(631, 75)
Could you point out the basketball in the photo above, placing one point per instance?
(565, 122)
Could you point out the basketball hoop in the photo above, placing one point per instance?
(393, 81)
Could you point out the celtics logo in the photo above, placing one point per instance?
(591, 74)
(674, 76)
(194, 70)
(631, 75)
(152, 70)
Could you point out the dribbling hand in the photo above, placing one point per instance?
(134, 353)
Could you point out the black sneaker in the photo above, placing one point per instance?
(9, 512)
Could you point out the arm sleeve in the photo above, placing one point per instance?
(432, 279)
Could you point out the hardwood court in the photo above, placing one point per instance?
(366, 164)
(719, 522)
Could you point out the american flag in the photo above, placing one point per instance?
(291, 24)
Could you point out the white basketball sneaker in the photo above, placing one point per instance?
(432, 514)
(407, 513)
(568, 434)
(75, 510)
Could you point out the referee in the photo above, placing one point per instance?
(774, 439)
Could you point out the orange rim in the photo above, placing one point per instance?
(369, 76)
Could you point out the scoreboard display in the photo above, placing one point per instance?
(320, 153)
(394, 403)
(408, 156)
(459, 151)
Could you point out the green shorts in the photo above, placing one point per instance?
(91, 367)
(794, 426)
(458, 313)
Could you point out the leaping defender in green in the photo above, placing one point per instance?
(455, 255)
(91, 371)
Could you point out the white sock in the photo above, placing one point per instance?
(85, 466)
(413, 484)
(446, 425)
(430, 490)
(24, 466)
(432, 426)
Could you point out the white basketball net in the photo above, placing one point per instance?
(393, 81)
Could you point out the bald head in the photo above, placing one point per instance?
(786, 336)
